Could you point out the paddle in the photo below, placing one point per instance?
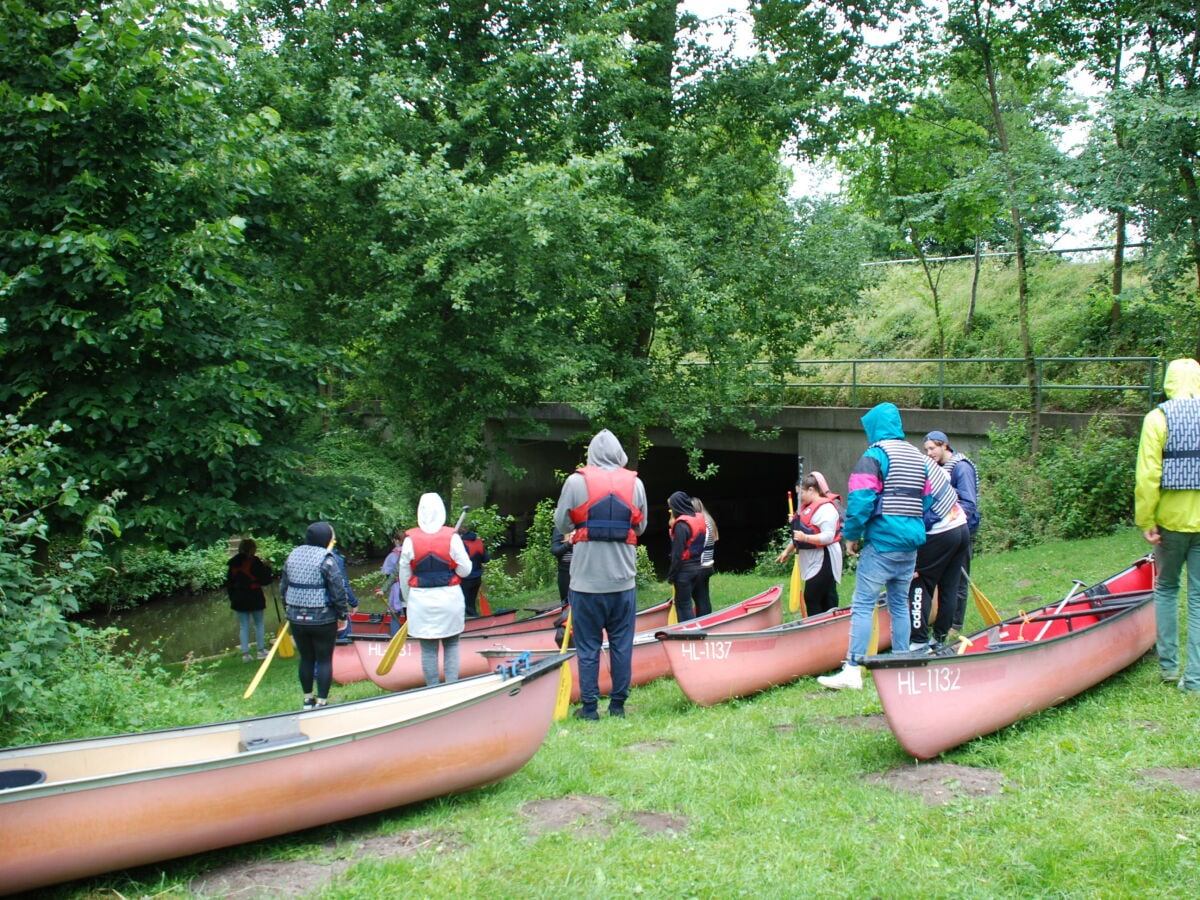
(396, 644)
(873, 643)
(287, 649)
(990, 616)
(1071, 593)
(563, 701)
(673, 612)
(796, 586)
(485, 608)
(262, 670)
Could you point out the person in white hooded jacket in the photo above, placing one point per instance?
(433, 562)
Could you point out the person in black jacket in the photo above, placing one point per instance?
(244, 583)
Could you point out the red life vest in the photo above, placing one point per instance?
(246, 570)
(609, 513)
(806, 523)
(699, 529)
(432, 565)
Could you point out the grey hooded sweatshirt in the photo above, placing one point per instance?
(600, 567)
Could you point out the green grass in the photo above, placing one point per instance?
(773, 796)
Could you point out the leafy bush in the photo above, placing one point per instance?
(36, 597)
(1079, 485)
(94, 682)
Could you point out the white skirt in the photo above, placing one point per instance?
(436, 612)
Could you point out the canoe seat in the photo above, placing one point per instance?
(16, 778)
(261, 734)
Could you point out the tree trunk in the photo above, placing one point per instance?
(1031, 373)
(978, 260)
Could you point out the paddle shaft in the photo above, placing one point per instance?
(562, 702)
(262, 670)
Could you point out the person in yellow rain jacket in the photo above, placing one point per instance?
(1167, 509)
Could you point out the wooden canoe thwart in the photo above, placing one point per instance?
(649, 661)
(715, 666)
(1014, 669)
(78, 808)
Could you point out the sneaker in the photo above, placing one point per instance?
(262, 654)
(309, 703)
(1168, 677)
(918, 647)
(589, 715)
(322, 702)
(617, 709)
(246, 657)
(849, 678)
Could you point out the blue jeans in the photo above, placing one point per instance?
(1177, 549)
(593, 616)
(244, 619)
(876, 571)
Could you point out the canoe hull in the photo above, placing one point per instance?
(1018, 668)
(412, 750)
(718, 666)
(649, 661)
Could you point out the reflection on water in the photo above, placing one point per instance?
(203, 624)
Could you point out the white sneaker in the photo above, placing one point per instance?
(849, 678)
(262, 654)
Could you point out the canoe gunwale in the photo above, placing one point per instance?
(950, 654)
(252, 755)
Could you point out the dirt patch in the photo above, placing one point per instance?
(299, 877)
(940, 783)
(650, 746)
(593, 817)
(872, 722)
(1188, 779)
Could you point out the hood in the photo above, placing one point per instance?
(883, 422)
(605, 451)
(1182, 379)
(681, 504)
(431, 513)
(319, 534)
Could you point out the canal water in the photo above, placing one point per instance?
(203, 625)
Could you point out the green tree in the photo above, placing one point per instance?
(129, 292)
(570, 201)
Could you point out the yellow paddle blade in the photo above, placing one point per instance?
(795, 588)
(873, 644)
(672, 613)
(986, 610)
(395, 645)
(287, 647)
(262, 670)
(562, 702)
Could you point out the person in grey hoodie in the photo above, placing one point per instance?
(601, 513)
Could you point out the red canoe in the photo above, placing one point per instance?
(1011, 670)
(715, 666)
(79, 808)
(649, 659)
(381, 623)
(406, 671)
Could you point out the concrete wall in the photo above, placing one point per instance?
(748, 495)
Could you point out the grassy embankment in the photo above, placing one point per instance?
(772, 795)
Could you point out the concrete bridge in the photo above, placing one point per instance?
(748, 495)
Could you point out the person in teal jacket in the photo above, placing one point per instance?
(889, 496)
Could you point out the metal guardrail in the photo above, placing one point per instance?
(1150, 387)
